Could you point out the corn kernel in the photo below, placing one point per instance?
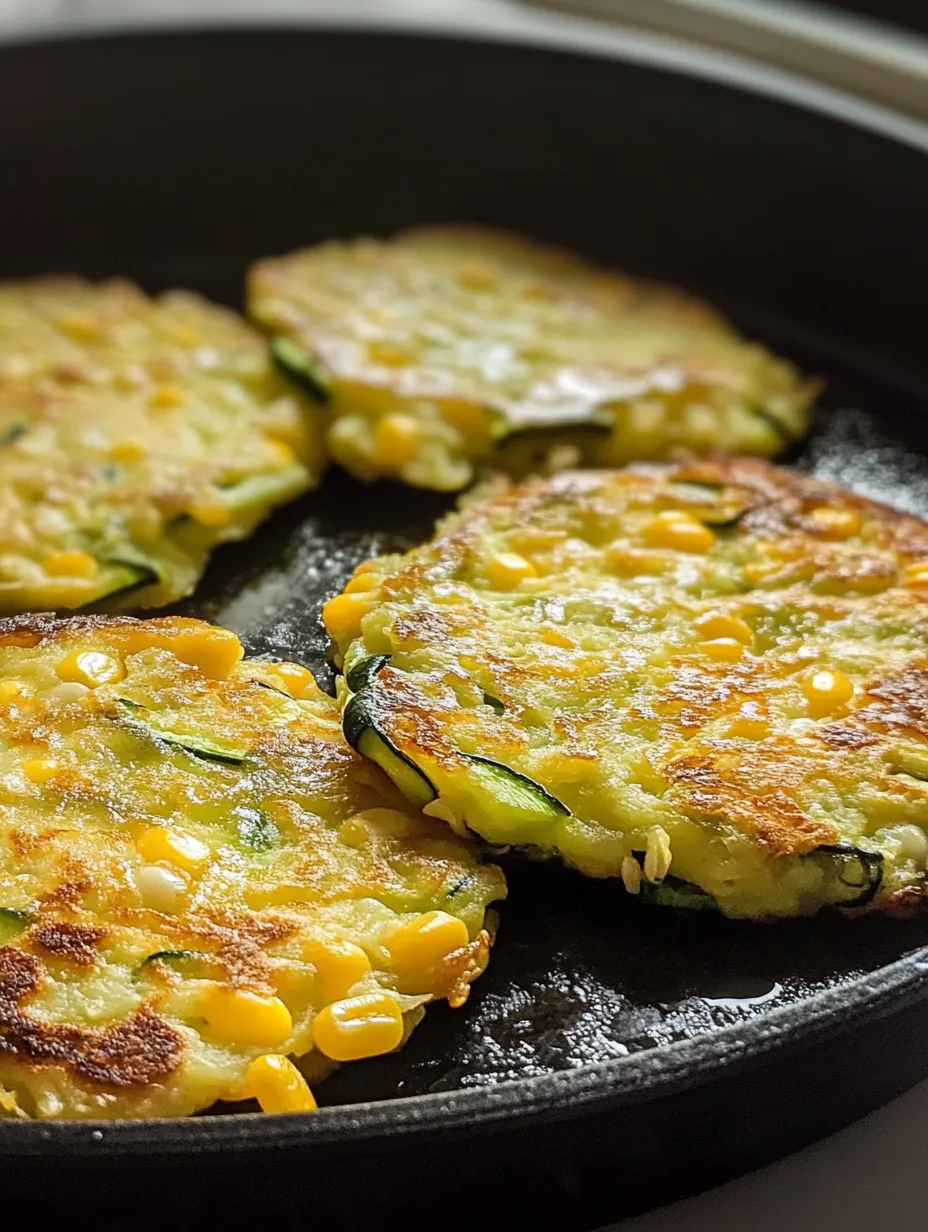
(834, 523)
(677, 530)
(396, 439)
(90, 668)
(10, 689)
(70, 564)
(363, 582)
(213, 650)
(167, 396)
(507, 569)
(476, 276)
(366, 566)
(554, 637)
(418, 949)
(292, 677)
(40, 770)
(127, 450)
(749, 724)
(184, 335)
(719, 624)
(364, 1026)
(342, 616)
(161, 889)
(826, 690)
(245, 1018)
(722, 649)
(182, 850)
(280, 451)
(383, 351)
(916, 574)
(278, 1086)
(80, 326)
(210, 515)
(339, 965)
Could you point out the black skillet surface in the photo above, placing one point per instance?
(651, 1053)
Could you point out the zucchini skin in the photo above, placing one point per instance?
(364, 671)
(367, 738)
(201, 748)
(871, 863)
(510, 779)
(300, 369)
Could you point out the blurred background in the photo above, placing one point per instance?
(877, 49)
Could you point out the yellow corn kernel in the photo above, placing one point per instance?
(211, 515)
(507, 569)
(184, 335)
(396, 439)
(182, 850)
(70, 564)
(749, 723)
(342, 616)
(280, 451)
(419, 947)
(339, 965)
(356, 1027)
(722, 649)
(80, 326)
(40, 770)
(166, 396)
(245, 1018)
(90, 668)
(826, 690)
(383, 351)
(916, 574)
(278, 1086)
(213, 650)
(677, 530)
(719, 624)
(554, 637)
(834, 523)
(363, 582)
(127, 450)
(9, 690)
(291, 677)
(366, 566)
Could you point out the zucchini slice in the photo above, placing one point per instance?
(364, 671)
(363, 734)
(301, 369)
(494, 703)
(675, 892)
(127, 570)
(785, 434)
(195, 964)
(12, 923)
(202, 747)
(512, 791)
(256, 830)
(11, 434)
(856, 873)
(723, 514)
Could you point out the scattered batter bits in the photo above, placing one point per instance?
(205, 894)
(136, 434)
(708, 680)
(442, 349)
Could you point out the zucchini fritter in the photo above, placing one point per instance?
(200, 879)
(135, 435)
(709, 679)
(444, 348)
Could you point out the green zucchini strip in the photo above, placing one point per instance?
(365, 737)
(12, 923)
(514, 790)
(364, 671)
(301, 369)
(858, 873)
(197, 746)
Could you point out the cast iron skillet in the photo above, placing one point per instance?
(614, 1056)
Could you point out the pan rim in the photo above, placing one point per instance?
(547, 33)
(607, 1085)
(614, 1084)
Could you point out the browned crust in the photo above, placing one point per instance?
(137, 1052)
(77, 943)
